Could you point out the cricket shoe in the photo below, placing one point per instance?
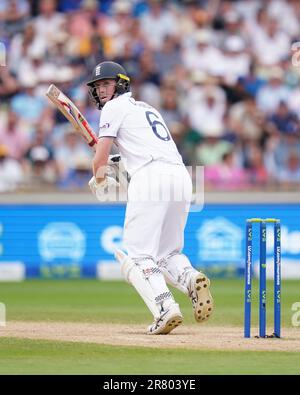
(167, 321)
(200, 296)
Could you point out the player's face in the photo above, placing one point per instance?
(105, 89)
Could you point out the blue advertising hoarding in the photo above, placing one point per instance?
(70, 241)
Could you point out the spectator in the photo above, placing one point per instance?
(294, 101)
(13, 137)
(255, 25)
(157, 23)
(289, 174)
(256, 171)
(277, 152)
(270, 44)
(26, 104)
(188, 22)
(39, 164)
(206, 115)
(136, 38)
(33, 70)
(171, 111)
(233, 22)
(83, 20)
(116, 29)
(246, 120)
(68, 151)
(291, 11)
(225, 175)
(283, 120)
(168, 56)
(148, 79)
(211, 151)
(129, 58)
(8, 85)
(78, 176)
(197, 60)
(11, 174)
(270, 95)
(59, 52)
(23, 46)
(203, 54)
(236, 60)
(14, 13)
(49, 21)
(251, 83)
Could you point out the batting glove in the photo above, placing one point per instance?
(101, 189)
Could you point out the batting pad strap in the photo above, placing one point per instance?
(148, 267)
(162, 297)
(176, 269)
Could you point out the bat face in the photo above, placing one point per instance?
(69, 108)
(72, 113)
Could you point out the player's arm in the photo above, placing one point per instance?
(110, 122)
(100, 182)
(100, 160)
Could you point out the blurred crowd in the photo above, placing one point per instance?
(222, 73)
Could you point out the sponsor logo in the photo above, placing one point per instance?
(219, 241)
(97, 71)
(111, 239)
(62, 240)
(105, 126)
(296, 315)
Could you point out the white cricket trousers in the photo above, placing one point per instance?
(159, 197)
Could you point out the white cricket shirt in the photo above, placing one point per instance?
(141, 134)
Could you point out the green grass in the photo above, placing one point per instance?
(18, 356)
(116, 302)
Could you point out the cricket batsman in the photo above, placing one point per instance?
(159, 196)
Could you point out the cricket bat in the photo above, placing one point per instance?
(73, 115)
(81, 126)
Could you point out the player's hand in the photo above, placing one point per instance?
(101, 189)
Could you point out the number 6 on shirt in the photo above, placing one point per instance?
(157, 124)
